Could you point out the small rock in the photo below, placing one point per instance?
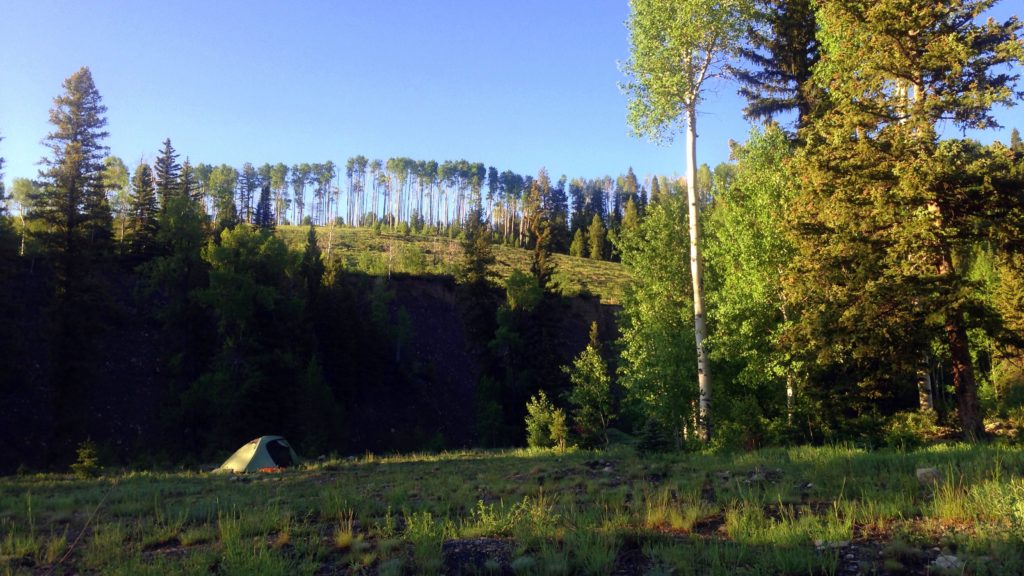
(823, 545)
(850, 557)
(947, 562)
(929, 476)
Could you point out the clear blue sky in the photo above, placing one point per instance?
(517, 84)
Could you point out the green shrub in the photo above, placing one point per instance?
(654, 437)
(87, 463)
(545, 424)
(909, 430)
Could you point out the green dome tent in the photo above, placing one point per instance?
(265, 453)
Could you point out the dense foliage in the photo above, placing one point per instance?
(858, 267)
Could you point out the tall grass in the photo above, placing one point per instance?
(778, 511)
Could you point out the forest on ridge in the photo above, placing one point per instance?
(860, 272)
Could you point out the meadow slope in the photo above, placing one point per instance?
(828, 510)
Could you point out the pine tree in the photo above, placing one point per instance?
(264, 219)
(248, 182)
(476, 249)
(591, 394)
(781, 49)
(655, 190)
(143, 209)
(188, 186)
(1015, 143)
(885, 209)
(632, 217)
(312, 269)
(596, 236)
(167, 173)
(75, 219)
(72, 203)
(577, 248)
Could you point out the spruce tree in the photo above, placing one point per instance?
(72, 203)
(655, 190)
(75, 221)
(248, 182)
(188, 185)
(312, 269)
(476, 301)
(577, 248)
(143, 209)
(591, 394)
(542, 267)
(886, 210)
(167, 172)
(596, 236)
(264, 219)
(781, 49)
(632, 217)
(476, 249)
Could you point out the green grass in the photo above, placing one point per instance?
(363, 250)
(778, 511)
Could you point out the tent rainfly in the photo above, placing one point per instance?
(266, 453)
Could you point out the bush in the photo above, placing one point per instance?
(545, 424)
(655, 437)
(87, 464)
(909, 430)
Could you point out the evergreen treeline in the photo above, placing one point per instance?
(864, 274)
(155, 308)
(425, 197)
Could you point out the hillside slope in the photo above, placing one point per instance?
(369, 252)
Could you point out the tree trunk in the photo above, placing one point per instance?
(790, 393)
(963, 377)
(924, 385)
(696, 274)
(21, 249)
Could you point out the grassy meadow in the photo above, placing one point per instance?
(382, 253)
(828, 510)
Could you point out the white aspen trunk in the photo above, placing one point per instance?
(21, 249)
(447, 209)
(696, 273)
(789, 399)
(396, 205)
(374, 207)
(924, 385)
(790, 388)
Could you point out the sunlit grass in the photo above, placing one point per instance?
(777, 511)
(379, 254)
